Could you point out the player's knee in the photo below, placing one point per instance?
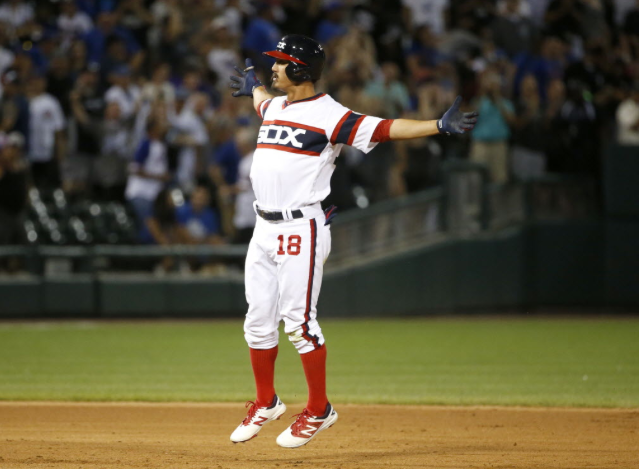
(304, 341)
(260, 337)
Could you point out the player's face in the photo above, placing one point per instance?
(280, 81)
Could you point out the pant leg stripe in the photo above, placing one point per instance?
(310, 286)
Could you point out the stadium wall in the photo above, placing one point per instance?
(543, 265)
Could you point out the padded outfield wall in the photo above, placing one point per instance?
(579, 264)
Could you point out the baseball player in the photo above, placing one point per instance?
(301, 136)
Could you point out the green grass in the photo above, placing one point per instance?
(564, 362)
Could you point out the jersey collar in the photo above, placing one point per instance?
(287, 103)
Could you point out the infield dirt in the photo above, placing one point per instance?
(159, 436)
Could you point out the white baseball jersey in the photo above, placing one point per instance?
(151, 156)
(297, 145)
(45, 119)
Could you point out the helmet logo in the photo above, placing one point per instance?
(281, 45)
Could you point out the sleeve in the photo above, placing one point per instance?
(200, 134)
(262, 108)
(355, 130)
(142, 153)
(381, 134)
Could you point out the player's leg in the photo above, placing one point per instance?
(300, 271)
(261, 334)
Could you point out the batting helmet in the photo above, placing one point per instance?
(306, 57)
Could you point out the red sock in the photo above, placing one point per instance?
(263, 364)
(314, 366)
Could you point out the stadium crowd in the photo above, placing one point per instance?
(128, 101)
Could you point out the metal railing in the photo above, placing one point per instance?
(387, 227)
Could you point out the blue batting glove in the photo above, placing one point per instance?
(330, 213)
(246, 82)
(456, 122)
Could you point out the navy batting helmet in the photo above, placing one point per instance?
(306, 57)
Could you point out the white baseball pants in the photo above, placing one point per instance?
(283, 275)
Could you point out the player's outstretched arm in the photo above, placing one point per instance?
(454, 121)
(248, 84)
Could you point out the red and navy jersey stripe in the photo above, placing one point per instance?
(262, 108)
(310, 287)
(292, 137)
(347, 127)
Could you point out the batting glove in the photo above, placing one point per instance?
(456, 122)
(330, 213)
(246, 82)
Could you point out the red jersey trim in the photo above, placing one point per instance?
(289, 149)
(382, 132)
(259, 109)
(294, 124)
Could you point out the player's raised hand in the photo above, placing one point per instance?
(246, 82)
(456, 122)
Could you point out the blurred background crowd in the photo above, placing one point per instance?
(117, 124)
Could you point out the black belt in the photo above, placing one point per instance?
(277, 216)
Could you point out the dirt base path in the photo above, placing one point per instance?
(196, 436)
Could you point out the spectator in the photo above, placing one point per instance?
(223, 54)
(106, 29)
(491, 135)
(161, 224)
(87, 106)
(390, 91)
(13, 188)
(135, 17)
(148, 174)
(244, 214)
(628, 119)
(190, 136)
(224, 171)
(424, 56)
(72, 22)
(513, 32)
(111, 166)
(6, 56)
(59, 82)
(199, 219)
(576, 125)
(333, 25)
(429, 13)
(16, 16)
(261, 35)
(528, 154)
(47, 143)
(123, 92)
(546, 64)
(14, 107)
(159, 88)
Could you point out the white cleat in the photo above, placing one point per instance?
(306, 427)
(256, 418)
